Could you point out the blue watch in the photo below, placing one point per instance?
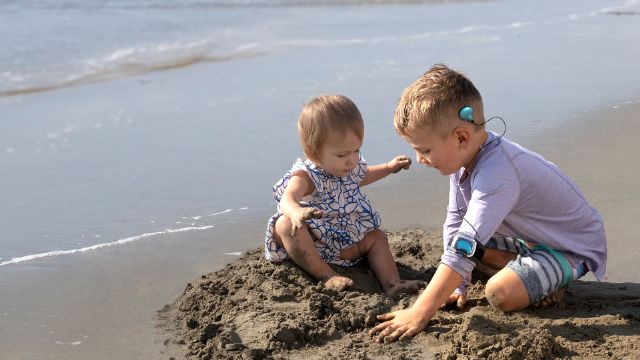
(468, 247)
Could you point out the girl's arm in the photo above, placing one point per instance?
(377, 172)
(299, 185)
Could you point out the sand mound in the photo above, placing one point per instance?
(252, 309)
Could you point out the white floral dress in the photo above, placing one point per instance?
(347, 214)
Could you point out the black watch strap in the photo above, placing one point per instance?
(479, 253)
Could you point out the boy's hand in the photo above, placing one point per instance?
(301, 215)
(456, 298)
(398, 325)
(398, 163)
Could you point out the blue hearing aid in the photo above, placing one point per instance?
(466, 113)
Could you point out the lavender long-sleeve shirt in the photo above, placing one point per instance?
(515, 192)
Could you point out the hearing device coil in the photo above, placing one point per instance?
(466, 113)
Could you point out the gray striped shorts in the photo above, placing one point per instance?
(542, 269)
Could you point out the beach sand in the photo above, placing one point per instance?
(253, 309)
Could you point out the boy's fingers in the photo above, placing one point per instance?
(461, 301)
(408, 334)
(377, 329)
(385, 317)
(450, 300)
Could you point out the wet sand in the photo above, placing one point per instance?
(253, 309)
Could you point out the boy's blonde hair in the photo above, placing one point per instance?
(433, 102)
(323, 115)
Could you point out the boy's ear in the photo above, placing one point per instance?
(463, 136)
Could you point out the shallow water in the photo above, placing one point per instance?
(88, 165)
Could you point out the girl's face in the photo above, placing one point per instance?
(340, 153)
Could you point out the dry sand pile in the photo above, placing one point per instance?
(252, 309)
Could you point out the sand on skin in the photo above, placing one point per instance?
(252, 309)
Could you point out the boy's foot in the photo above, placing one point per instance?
(405, 287)
(336, 282)
(552, 298)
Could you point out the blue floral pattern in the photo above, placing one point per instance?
(348, 215)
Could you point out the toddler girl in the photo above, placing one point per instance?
(322, 216)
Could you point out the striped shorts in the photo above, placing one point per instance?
(542, 269)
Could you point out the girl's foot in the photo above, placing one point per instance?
(553, 298)
(336, 282)
(405, 287)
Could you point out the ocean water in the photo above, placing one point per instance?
(109, 138)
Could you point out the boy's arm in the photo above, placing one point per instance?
(377, 172)
(402, 324)
(299, 185)
(456, 208)
(455, 212)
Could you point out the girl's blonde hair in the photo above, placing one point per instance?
(433, 102)
(324, 115)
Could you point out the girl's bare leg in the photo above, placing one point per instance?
(302, 251)
(376, 247)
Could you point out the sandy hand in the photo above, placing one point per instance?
(398, 163)
(456, 299)
(398, 325)
(309, 213)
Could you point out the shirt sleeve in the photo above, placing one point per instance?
(360, 171)
(299, 165)
(454, 214)
(492, 198)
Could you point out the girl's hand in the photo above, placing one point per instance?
(398, 163)
(299, 216)
(398, 325)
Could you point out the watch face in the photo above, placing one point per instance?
(464, 246)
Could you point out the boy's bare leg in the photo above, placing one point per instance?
(498, 259)
(376, 247)
(506, 291)
(302, 251)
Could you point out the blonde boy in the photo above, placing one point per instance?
(509, 209)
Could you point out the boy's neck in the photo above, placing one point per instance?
(477, 142)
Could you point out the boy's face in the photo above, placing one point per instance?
(340, 153)
(444, 154)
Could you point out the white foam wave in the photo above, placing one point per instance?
(130, 239)
(219, 213)
(235, 253)
(73, 343)
(135, 60)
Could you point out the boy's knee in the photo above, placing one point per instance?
(497, 295)
(505, 291)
